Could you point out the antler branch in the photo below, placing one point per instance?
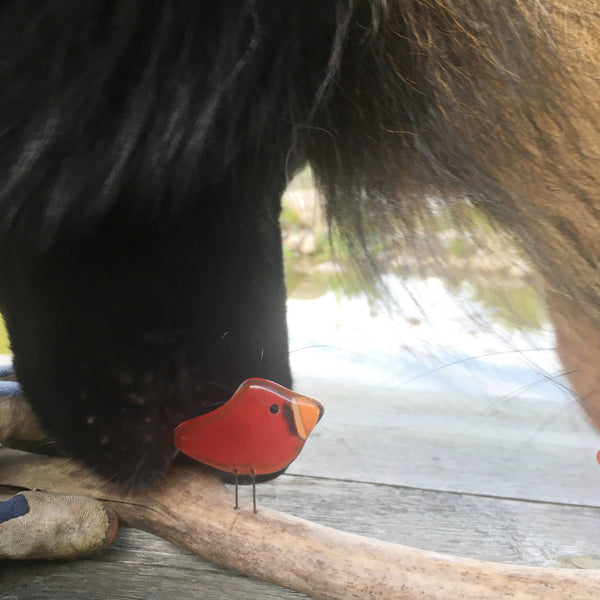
(195, 511)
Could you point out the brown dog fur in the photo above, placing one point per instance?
(483, 103)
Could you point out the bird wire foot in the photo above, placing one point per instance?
(236, 473)
(253, 473)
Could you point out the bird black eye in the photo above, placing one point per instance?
(274, 409)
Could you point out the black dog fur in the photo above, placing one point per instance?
(145, 147)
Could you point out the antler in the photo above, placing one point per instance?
(195, 511)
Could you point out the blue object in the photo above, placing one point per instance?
(16, 507)
(9, 388)
(6, 370)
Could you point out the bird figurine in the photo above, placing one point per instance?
(260, 430)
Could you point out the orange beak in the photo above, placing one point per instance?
(307, 413)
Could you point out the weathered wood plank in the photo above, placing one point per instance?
(527, 449)
(142, 566)
(511, 531)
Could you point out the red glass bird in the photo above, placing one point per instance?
(260, 430)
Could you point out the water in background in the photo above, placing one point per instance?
(434, 339)
(473, 321)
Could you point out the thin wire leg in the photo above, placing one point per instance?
(236, 489)
(253, 490)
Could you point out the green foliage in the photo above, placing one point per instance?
(517, 308)
(4, 342)
(289, 218)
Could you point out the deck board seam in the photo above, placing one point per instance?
(443, 491)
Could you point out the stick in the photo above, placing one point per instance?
(195, 511)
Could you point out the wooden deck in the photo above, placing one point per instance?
(515, 482)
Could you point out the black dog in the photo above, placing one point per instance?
(145, 147)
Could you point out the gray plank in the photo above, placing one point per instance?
(483, 527)
(534, 449)
(139, 566)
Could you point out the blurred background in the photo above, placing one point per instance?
(464, 312)
(454, 385)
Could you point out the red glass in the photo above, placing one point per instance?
(260, 430)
